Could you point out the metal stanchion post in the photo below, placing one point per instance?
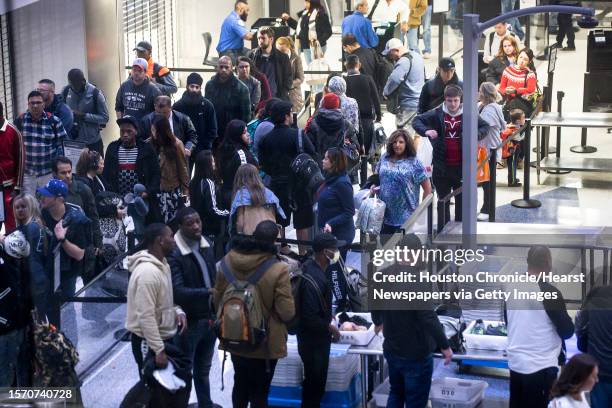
(526, 201)
(560, 95)
(583, 147)
(441, 35)
(492, 185)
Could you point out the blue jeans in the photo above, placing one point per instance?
(410, 381)
(10, 344)
(199, 344)
(426, 23)
(506, 7)
(308, 54)
(413, 39)
(601, 396)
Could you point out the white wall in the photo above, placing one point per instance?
(48, 40)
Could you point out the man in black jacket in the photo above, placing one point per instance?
(130, 161)
(594, 331)
(181, 125)
(432, 94)
(273, 63)
(193, 279)
(363, 89)
(277, 150)
(366, 55)
(411, 336)
(444, 126)
(201, 112)
(315, 332)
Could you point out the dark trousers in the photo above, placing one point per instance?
(315, 357)
(486, 203)
(199, 345)
(98, 147)
(531, 390)
(451, 181)
(366, 134)
(565, 29)
(409, 381)
(387, 231)
(511, 165)
(252, 379)
(601, 396)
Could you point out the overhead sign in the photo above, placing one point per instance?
(440, 6)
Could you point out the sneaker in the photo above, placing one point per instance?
(501, 165)
(482, 217)
(568, 49)
(427, 55)
(515, 184)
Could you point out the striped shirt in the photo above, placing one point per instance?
(43, 141)
(523, 80)
(127, 169)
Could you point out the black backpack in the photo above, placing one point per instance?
(305, 172)
(298, 280)
(383, 70)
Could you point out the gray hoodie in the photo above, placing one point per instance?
(493, 115)
(410, 91)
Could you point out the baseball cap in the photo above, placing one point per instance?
(141, 63)
(392, 44)
(446, 63)
(326, 241)
(54, 188)
(128, 119)
(143, 46)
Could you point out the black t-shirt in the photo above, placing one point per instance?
(78, 233)
(267, 67)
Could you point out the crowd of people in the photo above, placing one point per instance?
(210, 177)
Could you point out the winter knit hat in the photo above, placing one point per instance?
(194, 78)
(330, 101)
(337, 85)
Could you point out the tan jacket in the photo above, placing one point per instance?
(151, 313)
(174, 175)
(275, 291)
(418, 8)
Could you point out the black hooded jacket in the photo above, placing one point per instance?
(328, 129)
(202, 114)
(432, 94)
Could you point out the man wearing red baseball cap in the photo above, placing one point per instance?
(136, 95)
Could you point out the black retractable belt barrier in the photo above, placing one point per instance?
(560, 95)
(526, 201)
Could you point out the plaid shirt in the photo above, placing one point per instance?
(43, 140)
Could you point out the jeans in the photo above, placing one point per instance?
(308, 54)
(404, 119)
(10, 344)
(413, 39)
(199, 344)
(506, 7)
(315, 356)
(444, 185)
(455, 14)
(601, 396)
(426, 23)
(409, 381)
(531, 390)
(252, 379)
(31, 182)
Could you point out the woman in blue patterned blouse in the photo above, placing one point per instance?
(401, 174)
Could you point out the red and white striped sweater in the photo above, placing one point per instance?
(523, 80)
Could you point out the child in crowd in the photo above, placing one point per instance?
(510, 151)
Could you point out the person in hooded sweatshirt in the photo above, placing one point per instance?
(152, 317)
(201, 111)
(137, 94)
(328, 127)
(444, 126)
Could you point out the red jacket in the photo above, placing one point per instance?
(12, 156)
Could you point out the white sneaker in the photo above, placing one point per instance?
(482, 217)
(427, 55)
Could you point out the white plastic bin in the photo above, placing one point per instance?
(456, 393)
(357, 338)
(484, 341)
(381, 394)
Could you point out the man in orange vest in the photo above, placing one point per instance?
(159, 75)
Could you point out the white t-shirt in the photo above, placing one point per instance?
(533, 342)
(491, 48)
(568, 402)
(388, 12)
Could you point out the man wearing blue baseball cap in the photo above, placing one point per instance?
(71, 235)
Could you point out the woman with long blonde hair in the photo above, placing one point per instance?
(286, 46)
